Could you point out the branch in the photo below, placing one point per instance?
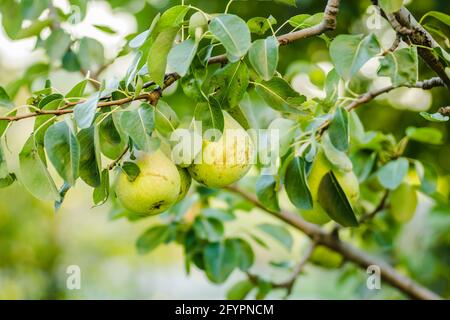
(152, 97)
(380, 207)
(350, 253)
(404, 23)
(328, 23)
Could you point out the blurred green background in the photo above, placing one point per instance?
(37, 245)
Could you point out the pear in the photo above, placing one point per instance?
(155, 189)
(223, 162)
(185, 182)
(324, 257)
(347, 180)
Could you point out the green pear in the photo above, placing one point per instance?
(225, 161)
(347, 180)
(185, 182)
(324, 257)
(155, 189)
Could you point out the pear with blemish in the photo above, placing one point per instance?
(155, 189)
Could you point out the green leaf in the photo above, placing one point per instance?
(62, 193)
(233, 33)
(279, 95)
(435, 117)
(105, 28)
(141, 38)
(5, 101)
(131, 170)
(331, 89)
(334, 201)
(152, 238)
(219, 260)
(157, 56)
(57, 44)
(240, 290)
(166, 120)
(279, 233)
(302, 21)
(428, 177)
(34, 29)
(425, 135)
(13, 24)
(229, 84)
(263, 56)
(101, 193)
(210, 114)
(84, 112)
(392, 174)
(266, 191)
(286, 132)
(260, 25)
(8, 180)
(132, 69)
(350, 52)
(296, 186)
(181, 56)
(90, 162)
(139, 124)
(401, 66)
(91, 54)
(78, 90)
(288, 2)
(4, 172)
(34, 175)
(403, 202)
(244, 254)
(173, 17)
(336, 157)
(339, 130)
(63, 150)
(210, 229)
(390, 6)
(444, 18)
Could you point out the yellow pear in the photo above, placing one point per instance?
(155, 189)
(225, 161)
(347, 180)
(185, 183)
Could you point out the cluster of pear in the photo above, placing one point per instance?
(161, 183)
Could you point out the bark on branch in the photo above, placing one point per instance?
(408, 286)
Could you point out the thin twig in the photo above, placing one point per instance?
(381, 206)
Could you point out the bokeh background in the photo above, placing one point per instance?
(37, 245)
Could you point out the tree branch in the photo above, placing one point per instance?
(350, 253)
(328, 23)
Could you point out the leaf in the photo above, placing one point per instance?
(444, 18)
(390, 6)
(181, 56)
(105, 28)
(240, 290)
(260, 25)
(173, 17)
(435, 117)
(152, 238)
(90, 162)
(229, 84)
(8, 180)
(244, 254)
(263, 56)
(401, 66)
(302, 21)
(139, 124)
(101, 193)
(279, 233)
(78, 90)
(297, 188)
(131, 169)
(279, 95)
(91, 54)
(350, 52)
(392, 174)
(141, 38)
(84, 112)
(233, 33)
(331, 89)
(288, 2)
(334, 201)
(219, 260)
(5, 100)
(336, 157)
(428, 177)
(62, 193)
(34, 175)
(425, 135)
(403, 202)
(132, 69)
(210, 114)
(210, 229)
(286, 133)
(266, 191)
(57, 44)
(166, 120)
(157, 56)
(339, 130)
(63, 151)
